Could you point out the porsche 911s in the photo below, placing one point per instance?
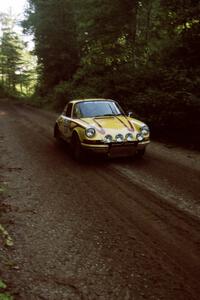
(101, 126)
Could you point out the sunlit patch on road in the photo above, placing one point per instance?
(3, 113)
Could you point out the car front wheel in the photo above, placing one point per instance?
(77, 151)
(57, 133)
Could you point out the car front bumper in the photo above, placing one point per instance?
(116, 149)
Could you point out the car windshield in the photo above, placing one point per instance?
(91, 109)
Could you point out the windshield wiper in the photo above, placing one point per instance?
(113, 115)
(106, 115)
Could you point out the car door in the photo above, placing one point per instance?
(66, 121)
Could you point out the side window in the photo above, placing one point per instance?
(69, 110)
(64, 111)
(76, 114)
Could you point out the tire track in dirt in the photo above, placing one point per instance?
(92, 231)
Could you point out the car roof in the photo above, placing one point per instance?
(90, 100)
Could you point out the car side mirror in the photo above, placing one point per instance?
(130, 113)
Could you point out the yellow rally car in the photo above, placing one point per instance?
(101, 126)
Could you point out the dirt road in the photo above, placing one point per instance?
(120, 229)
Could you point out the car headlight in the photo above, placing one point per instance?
(129, 137)
(139, 137)
(119, 138)
(90, 132)
(145, 130)
(108, 139)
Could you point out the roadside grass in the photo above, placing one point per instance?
(6, 241)
(2, 189)
(6, 237)
(3, 294)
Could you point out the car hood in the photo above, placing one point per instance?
(108, 124)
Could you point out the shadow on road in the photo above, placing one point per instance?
(100, 161)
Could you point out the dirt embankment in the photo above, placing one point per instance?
(121, 229)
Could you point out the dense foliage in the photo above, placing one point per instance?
(17, 67)
(53, 25)
(143, 53)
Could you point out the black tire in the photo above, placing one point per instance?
(57, 135)
(77, 151)
(56, 132)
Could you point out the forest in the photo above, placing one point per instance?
(145, 54)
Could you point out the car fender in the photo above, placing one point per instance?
(80, 131)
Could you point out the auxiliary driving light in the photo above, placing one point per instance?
(119, 138)
(129, 137)
(108, 139)
(139, 137)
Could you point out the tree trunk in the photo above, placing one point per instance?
(148, 21)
